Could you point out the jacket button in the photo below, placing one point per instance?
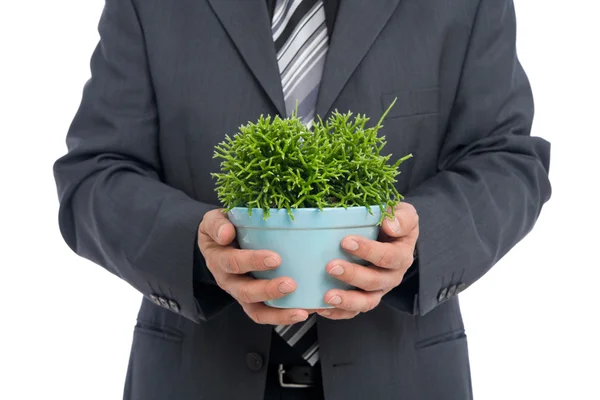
(451, 291)
(163, 302)
(442, 295)
(155, 299)
(461, 286)
(174, 306)
(254, 361)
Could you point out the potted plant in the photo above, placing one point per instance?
(300, 191)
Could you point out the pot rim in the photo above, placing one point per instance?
(306, 209)
(306, 218)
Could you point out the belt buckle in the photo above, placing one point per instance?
(283, 384)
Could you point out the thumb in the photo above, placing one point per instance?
(391, 227)
(217, 226)
(405, 220)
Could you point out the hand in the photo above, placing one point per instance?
(229, 264)
(390, 257)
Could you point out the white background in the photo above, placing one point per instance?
(66, 324)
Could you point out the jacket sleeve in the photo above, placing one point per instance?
(492, 177)
(114, 208)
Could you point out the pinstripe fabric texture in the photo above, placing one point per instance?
(301, 43)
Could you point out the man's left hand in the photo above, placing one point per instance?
(390, 258)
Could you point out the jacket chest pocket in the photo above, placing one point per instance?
(412, 127)
(410, 103)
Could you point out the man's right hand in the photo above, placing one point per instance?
(229, 266)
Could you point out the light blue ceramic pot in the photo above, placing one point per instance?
(306, 245)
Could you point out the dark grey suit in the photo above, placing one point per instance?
(171, 78)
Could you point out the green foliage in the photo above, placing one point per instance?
(280, 163)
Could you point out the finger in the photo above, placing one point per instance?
(369, 279)
(382, 254)
(405, 222)
(238, 261)
(265, 315)
(353, 300)
(337, 314)
(246, 289)
(217, 226)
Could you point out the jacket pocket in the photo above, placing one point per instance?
(160, 332)
(440, 339)
(154, 371)
(444, 371)
(412, 102)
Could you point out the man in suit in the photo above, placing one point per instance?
(171, 78)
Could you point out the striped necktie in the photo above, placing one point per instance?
(300, 36)
(301, 44)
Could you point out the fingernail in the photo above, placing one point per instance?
(337, 270)
(298, 318)
(335, 300)
(270, 262)
(285, 288)
(350, 244)
(325, 312)
(219, 231)
(394, 225)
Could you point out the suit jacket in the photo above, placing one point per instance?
(171, 78)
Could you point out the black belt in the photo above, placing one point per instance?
(297, 376)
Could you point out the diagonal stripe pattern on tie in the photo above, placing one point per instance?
(303, 338)
(301, 43)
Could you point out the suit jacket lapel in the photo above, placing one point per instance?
(247, 23)
(357, 25)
